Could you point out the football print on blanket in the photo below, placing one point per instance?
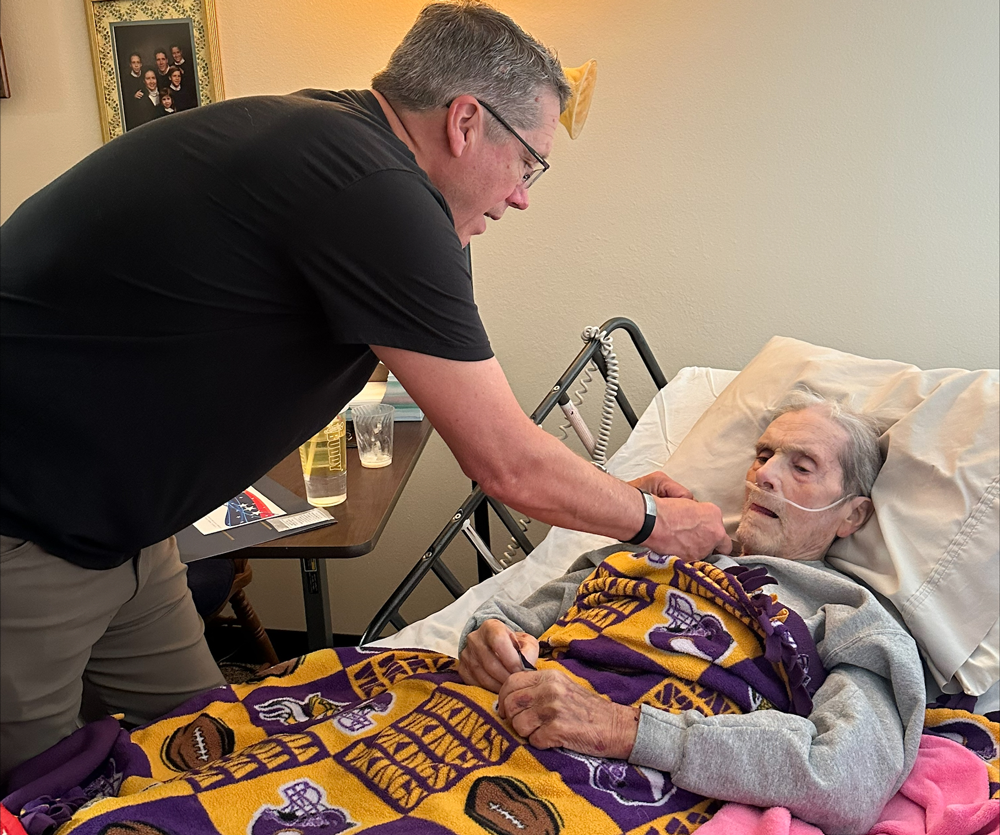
(505, 806)
(198, 743)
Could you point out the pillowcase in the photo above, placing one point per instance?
(931, 549)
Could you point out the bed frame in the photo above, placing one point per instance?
(472, 518)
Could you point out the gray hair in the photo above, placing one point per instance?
(470, 48)
(861, 457)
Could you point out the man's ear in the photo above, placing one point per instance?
(859, 509)
(464, 124)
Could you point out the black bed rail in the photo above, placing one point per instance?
(472, 518)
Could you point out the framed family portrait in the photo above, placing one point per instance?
(152, 59)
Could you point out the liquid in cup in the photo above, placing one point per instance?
(324, 464)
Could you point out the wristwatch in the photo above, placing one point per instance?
(648, 522)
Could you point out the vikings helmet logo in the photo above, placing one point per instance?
(630, 785)
(358, 718)
(690, 632)
(305, 813)
(289, 711)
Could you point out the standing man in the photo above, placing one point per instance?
(178, 60)
(323, 231)
(132, 80)
(162, 68)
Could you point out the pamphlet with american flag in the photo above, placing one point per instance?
(263, 511)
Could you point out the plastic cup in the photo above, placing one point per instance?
(324, 464)
(373, 425)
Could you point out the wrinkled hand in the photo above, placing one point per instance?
(660, 484)
(688, 529)
(489, 656)
(550, 710)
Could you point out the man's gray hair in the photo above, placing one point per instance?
(861, 457)
(470, 48)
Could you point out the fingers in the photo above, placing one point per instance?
(517, 694)
(499, 652)
(660, 484)
(528, 644)
(688, 529)
(489, 656)
(551, 710)
(473, 672)
(528, 724)
(724, 546)
(671, 489)
(679, 491)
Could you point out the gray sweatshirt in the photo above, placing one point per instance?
(837, 768)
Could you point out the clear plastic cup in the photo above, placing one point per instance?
(324, 464)
(373, 431)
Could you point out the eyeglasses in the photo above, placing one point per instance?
(532, 176)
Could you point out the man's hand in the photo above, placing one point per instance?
(550, 710)
(490, 655)
(695, 528)
(660, 484)
(688, 529)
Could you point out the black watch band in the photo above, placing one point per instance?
(648, 523)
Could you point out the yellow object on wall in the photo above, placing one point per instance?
(582, 79)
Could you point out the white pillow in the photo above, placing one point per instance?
(933, 547)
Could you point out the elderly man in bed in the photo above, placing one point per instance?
(808, 484)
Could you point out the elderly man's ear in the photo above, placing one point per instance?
(859, 509)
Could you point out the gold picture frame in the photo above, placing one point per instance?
(4, 85)
(121, 29)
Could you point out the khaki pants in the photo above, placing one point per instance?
(130, 635)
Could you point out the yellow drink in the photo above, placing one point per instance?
(324, 464)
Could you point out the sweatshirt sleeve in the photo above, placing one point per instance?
(837, 768)
(538, 612)
(546, 605)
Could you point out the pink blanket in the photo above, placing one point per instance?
(947, 793)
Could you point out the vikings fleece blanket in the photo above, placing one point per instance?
(394, 742)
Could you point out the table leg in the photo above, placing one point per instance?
(316, 595)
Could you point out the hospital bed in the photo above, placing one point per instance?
(936, 499)
(932, 558)
(472, 517)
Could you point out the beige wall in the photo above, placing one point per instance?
(827, 171)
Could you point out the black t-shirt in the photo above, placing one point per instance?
(149, 375)
(185, 98)
(131, 83)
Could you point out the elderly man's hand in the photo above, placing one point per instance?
(660, 484)
(688, 529)
(490, 655)
(550, 710)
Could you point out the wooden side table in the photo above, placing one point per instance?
(371, 498)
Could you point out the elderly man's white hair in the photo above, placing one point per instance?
(861, 457)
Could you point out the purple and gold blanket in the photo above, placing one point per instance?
(393, 741)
